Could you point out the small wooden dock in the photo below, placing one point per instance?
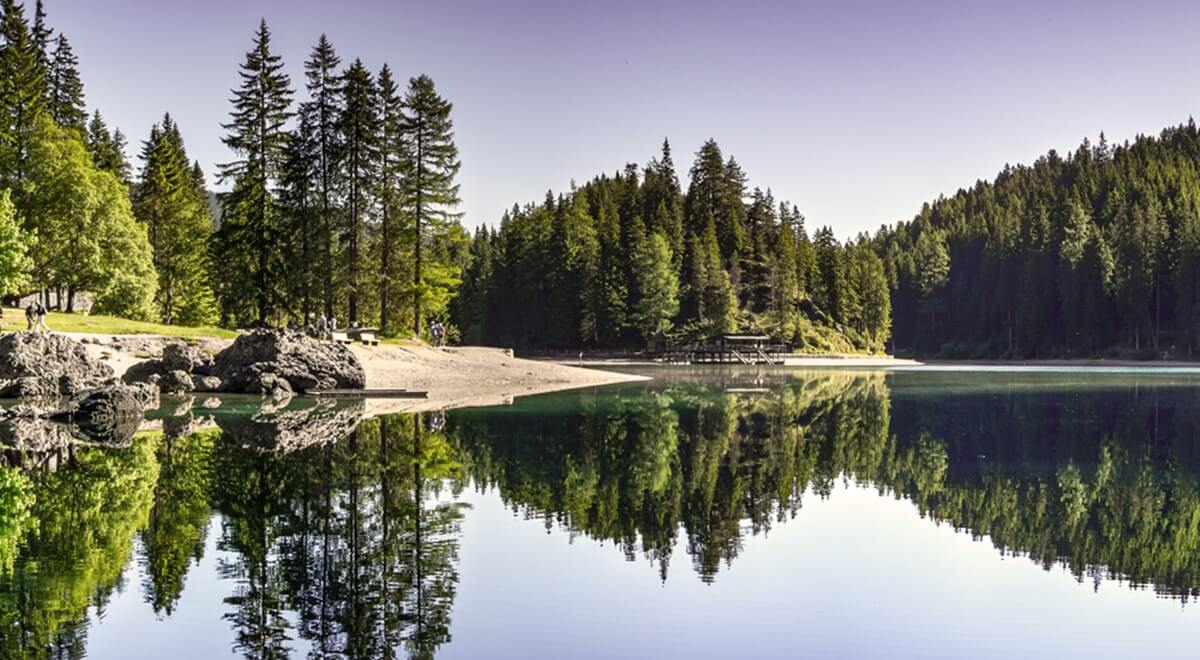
(372, 394)
(726, 349)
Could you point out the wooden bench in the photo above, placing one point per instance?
(340, 337)
(365, 335)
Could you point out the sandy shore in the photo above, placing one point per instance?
(454, 377)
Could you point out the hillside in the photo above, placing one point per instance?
(1095, 253)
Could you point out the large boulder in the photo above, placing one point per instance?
(178, 356)
(263, 361)
(47, 365)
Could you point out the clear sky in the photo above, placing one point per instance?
(857, 111)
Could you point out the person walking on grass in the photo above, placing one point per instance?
(41, 318)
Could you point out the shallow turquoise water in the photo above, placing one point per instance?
(709, 513)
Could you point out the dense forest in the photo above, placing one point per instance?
(1094, 253)
(339, 204)
(612, 262)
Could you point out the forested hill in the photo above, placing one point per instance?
(609, 263)
(1094, 253)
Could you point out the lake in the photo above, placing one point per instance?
(710, 513)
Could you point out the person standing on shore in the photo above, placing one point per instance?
(41, 318)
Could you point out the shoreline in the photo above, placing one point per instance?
(454, 377)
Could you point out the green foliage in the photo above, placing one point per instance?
(14, 247)
(1084, 255)
(251, 231)
(16, 500)
(657, 283)
(429, 194)
(173, 206)
(86, 236)
(587, 268)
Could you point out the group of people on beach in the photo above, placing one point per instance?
(437, 332)
(325, 326)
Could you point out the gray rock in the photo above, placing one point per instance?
(45, 364)
(206, 384)
(183, 357)
(146, 371)
(176, 381)
(258, 360)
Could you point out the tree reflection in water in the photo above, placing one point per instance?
(349, 546)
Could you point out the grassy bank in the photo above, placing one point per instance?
(14, 319)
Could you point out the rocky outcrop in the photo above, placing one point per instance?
(271, 361)
(176, 372)
(44, 365)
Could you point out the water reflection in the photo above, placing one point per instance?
(340, 536)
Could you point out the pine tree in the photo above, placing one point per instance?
(391, 174)
(42, 36)
(322, 112)
(108, 149)
(66, 89)
(358, 127)
(174, 208)
(248, 236)
(301, 222)
(784, 283)
(430, 192)
(22, 96)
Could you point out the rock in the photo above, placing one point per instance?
(206, 384)
(59, 365)
(176, 381)
(211, 402)
(146, 371)
(259, 359)
(182, 357)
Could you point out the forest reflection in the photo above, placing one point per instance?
(350, 547)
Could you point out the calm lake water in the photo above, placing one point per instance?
(717, 513)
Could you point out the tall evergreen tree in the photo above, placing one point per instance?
(22, 95)
(248, 239)
(358, 127)
(322, 112)
(173, 206)
(430, 192)
(66, 88)
(391, 175)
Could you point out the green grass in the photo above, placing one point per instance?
(14, 319)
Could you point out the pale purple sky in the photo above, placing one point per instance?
(856, 111)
